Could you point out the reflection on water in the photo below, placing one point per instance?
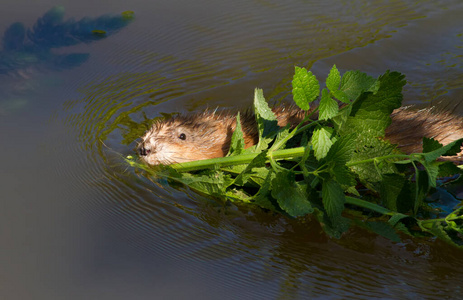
(29, 51)
(140, 236)
(23, 48)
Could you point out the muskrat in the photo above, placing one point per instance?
(205, 135)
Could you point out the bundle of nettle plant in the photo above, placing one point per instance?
(337, 167)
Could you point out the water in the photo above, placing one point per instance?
(77, 223)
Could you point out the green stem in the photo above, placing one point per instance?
(297, 130)
(235, 160)
(247, 158)
(370, 160)
(369, 205)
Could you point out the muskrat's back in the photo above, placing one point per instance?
(207, 135)
(409, 126)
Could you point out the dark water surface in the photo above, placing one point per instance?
(77, 223)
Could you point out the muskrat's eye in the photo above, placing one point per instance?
(182, 136)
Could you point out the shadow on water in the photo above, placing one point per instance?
(28, 52)
(32, 47)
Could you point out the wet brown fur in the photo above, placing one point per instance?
(208, 134)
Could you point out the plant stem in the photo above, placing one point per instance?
(247, 158)
(298, 129)
(359, 162)
(235, 160)
(369, 205)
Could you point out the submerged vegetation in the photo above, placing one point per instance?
(339, 168)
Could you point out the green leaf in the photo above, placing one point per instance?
(339, 154)
(257, 162)
(421, 189)
(212, 183)
(262, 198)
(384, 229)
(354, 83)
(430, 145)
(454, 149)
(333, 199)
(291, 196)
(305, 88)
(343, 175)
(391, 187)
(370, 113)
(436, 228)
(448, 150)
(335, 230)
(371, 148)
(261, 106)
(334, 79)
(448, 169)
(394, 220)
(341, 96)
(342, 150)
(432, 168)
(328, 107)
(237, 140)
(282, 134)
(321, 142)
(266, 120)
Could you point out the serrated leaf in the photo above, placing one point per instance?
(391, 187)
(339, 154)
(342, 150)
(257, 162)
(432, 168)
(261, 106)
(354, 83)
(436, 228)
(321, 142)
(237, 140)
(238, 195)
(262, 198)
(421, 189)
(334, 79)
(370, 113)
(448, 150)
(333, 199)
(305, 88)
(266, 120)
(343, 175)
(328, 107)
(341, 96)
(282, 134)
(333, 230)
(448, 169)
(212, 183)
(291, 196)
(369, 172)
(430, 144)
(384, 229)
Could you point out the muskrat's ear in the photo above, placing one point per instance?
(182, 136)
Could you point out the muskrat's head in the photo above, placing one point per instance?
(186, 138)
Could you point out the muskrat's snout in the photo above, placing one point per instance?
(144, 148)
(143, 151)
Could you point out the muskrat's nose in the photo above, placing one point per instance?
(143, 151)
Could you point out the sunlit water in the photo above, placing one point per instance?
(77, 223)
